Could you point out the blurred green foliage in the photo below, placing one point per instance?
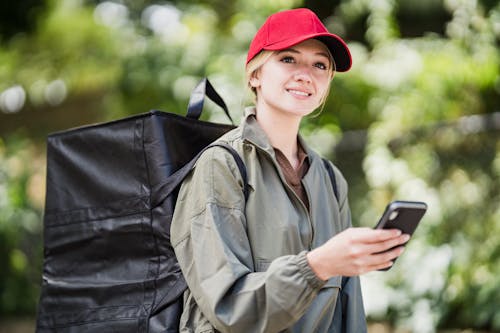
(22, 172)
(417, 118)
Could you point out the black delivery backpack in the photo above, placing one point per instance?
(111, 190)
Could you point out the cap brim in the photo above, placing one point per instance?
(335, 44)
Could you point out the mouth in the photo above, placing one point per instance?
(299, 92)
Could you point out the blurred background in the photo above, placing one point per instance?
(417, 118)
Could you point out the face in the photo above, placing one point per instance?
(295, 80)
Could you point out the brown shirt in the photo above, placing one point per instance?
(294, 176)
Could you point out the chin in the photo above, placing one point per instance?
(303, 111)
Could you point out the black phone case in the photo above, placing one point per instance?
(402, 215)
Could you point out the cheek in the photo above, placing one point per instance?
(269, 81)
(323, 83)
(323, 86)
(273, 73)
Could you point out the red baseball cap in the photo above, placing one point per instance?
(290, 27)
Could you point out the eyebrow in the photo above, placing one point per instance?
(292, 50)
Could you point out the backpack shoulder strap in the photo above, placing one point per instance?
(162, 191)
(331, 173)
(239, 162)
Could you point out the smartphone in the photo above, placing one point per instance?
(402, 215)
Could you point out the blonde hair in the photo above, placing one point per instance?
(261, 58)
(253, 67)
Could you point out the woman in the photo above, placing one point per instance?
(274, 262)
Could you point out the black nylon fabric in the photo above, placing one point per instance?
(108, 263)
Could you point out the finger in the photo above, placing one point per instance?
(383, 266)
(376, 267)
(389, 244)
(386, 256)
(372, 262)
(366, 249)
(381, 235)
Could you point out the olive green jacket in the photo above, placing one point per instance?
(245, 260)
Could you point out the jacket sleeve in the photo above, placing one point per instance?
(211, 244)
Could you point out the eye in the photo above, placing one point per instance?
(288, 60)
(321, 65)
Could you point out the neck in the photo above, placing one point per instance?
(282, 130)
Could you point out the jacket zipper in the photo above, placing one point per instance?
(309, 217)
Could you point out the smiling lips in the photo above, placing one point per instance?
(299, 92)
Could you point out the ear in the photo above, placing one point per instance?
(254, 80)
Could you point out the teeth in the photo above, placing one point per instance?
(297, 92)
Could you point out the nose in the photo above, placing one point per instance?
(303, 74)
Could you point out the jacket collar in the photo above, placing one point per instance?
(253, 133)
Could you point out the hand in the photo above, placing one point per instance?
(355, 251)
